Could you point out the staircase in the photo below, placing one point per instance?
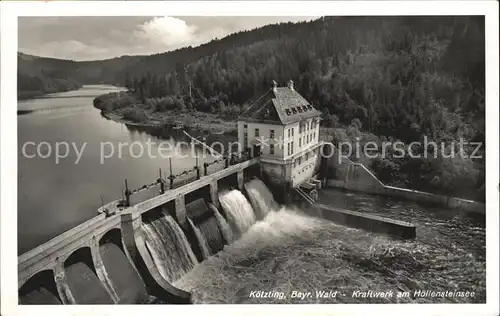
(304, 195)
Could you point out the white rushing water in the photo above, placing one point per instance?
(261, 198)
(239, 212)
(169, 248)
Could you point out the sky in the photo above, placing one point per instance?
(95, 38)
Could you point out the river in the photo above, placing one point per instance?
(289, 257)
(54, 196)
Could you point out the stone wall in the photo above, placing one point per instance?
(345, 174)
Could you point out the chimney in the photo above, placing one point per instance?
(290, 85)
(275, 86)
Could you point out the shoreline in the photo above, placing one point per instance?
(30, 95)
(206, 122)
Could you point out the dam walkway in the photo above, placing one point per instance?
(49, 263)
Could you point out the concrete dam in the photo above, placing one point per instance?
(221, 232)
(142, 254)
(134, 255)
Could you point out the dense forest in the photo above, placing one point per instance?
(38, 76)
(374, 78)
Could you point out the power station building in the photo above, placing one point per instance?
(283, 129)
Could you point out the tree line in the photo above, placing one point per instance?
(396, 78)
(373, 78)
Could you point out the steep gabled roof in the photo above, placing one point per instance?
(281, 106)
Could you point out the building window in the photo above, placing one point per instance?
(271, 134)
(271, 149)
(291, 147)
(300, 141)
(257, 132)
(307, 156)
(245, 126)
(288, 149)
(245, 140)
(288, 133)
(300, 160)
(292, 131)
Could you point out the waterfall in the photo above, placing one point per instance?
(225, 229)
(169, 248)
(202, 241)
(239, 212)
(261, 198)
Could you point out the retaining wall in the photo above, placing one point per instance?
(355, 176)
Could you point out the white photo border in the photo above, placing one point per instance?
(10, 11)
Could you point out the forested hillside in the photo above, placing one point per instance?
(402, 77)
(377, 78)
(38, 76)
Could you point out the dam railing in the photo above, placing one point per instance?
(188, 175)
(55, 251)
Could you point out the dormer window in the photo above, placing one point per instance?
(305, 108)
(294, 111)
(310, 107)
(300, 109)
(288, 111)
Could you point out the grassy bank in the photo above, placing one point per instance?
(125, 108)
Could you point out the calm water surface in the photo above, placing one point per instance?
(56, 196)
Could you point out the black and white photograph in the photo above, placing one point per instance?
(189, 159)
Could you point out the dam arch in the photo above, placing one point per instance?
(122, 276)
(113, 235)
(71, 248)
(200, 193)
(82, 279)
(40, 289)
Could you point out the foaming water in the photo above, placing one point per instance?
(225, 229)
(202, 241)
(261, 198)
(239, 212)
(436, 225)
(289, 251)
(169, 248)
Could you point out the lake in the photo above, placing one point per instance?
(56, 195)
